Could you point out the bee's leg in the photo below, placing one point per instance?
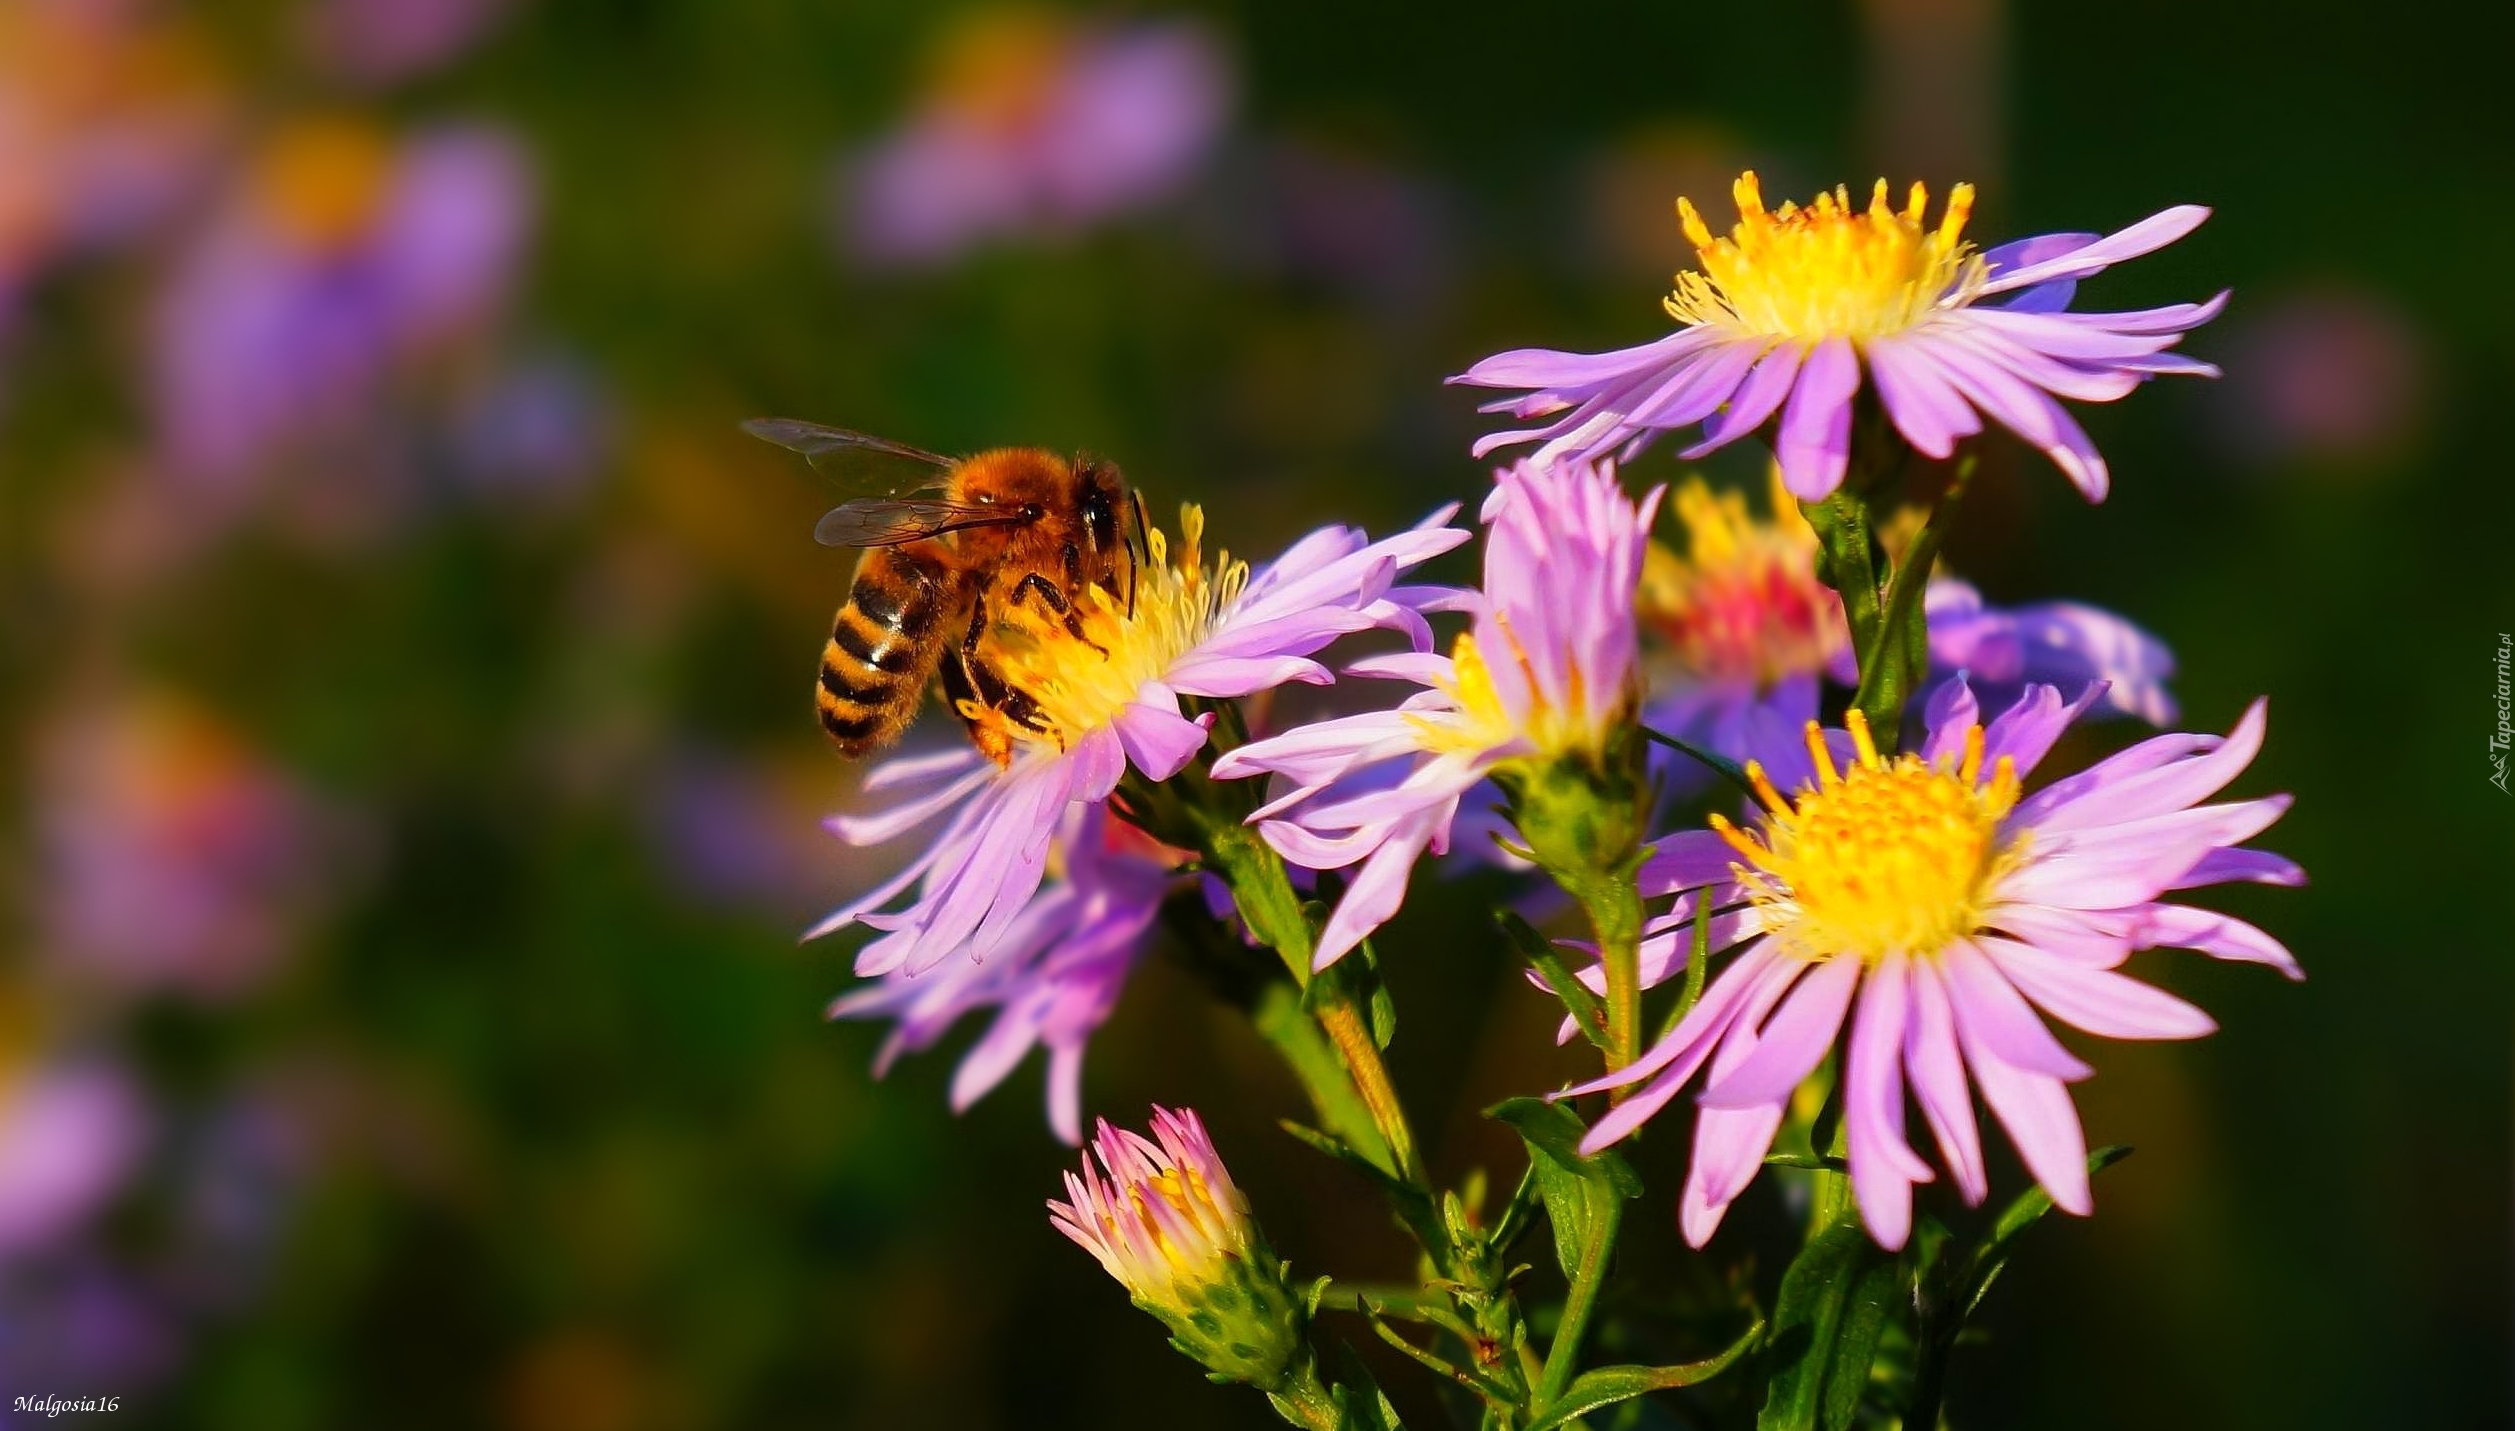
(1036, 585)
(983, 682)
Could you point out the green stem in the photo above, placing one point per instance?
(1563, 1358)
(1614, 905)
(1263, 892)
(1351, 1033)
(1282, 1021)
(1899, 660)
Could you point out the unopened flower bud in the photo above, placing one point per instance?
(1165, 1219)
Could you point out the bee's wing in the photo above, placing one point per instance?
(891, 521)
(863, 465)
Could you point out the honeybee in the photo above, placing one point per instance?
(988, 533)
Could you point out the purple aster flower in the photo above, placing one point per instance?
(1792, 308)
(343, 259)
(1107, 701)
(384, 42)
(1923, 903)
(1740, 623)
(1035, 124)
(1548, 668)
(1052, 979)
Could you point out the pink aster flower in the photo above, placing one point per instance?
(1106, 701)
(1924, 903)
(1052, 979)
(1548, 668)
(1793, 308)
(69, 1136)
(1035, 124)
(174, 857)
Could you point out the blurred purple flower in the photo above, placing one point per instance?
(725, 835)
(69, 1136)
(81, 1319)
(1054, 976)
(2336, 374)
(538, 432)
(105, 121)
(1035, 124)
(384, 42)
(343, 258)
(175, 858)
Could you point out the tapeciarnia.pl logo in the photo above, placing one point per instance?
(2499, 739)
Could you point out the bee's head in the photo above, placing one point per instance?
(1100, 499)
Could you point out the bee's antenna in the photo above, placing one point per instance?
(1139, 550)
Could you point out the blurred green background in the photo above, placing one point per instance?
(409, 799)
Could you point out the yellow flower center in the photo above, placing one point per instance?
(1075, 684)
(1484, 722)
(1890, 856)
(1827, 270)
(1743, 605)
(323, 181)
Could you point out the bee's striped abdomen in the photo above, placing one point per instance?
(881, 651)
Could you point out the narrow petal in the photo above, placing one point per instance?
(1815, 442)
(1937, 1067)
(2040, 1119)
(1883, 1167)
(2220, 936)
(2146, 236)
(1788, 1048)
(2098, 1001)
(1990, 1013)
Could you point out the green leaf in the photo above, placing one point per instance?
(1577, 1191)
(1993, 1254)
(1958, 1281)
(1808, 1322)
(1610, 1384)
(1872, 1303)
(1808, 1161)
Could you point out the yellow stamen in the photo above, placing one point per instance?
(1893, 855)
(1827, 270)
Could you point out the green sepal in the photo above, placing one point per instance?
(1610, 1384)
(1578, 1192)
(1360, 1404)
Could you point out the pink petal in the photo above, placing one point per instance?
(1815, 441)
(2097, 1000)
